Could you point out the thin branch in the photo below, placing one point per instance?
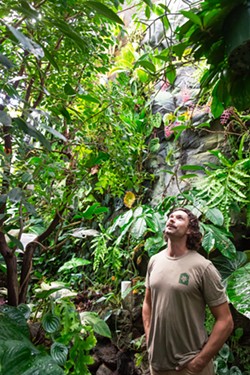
(97, 113)
(132, 7)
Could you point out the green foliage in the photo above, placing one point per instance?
(212, 226)
(240, 355)
(238, 288)
(74, 138)
(117, 246)
(99, 326)
(217, 238)
(18, 355)
(76, 108)
(235, 275)
(227, 266)
(228, 355)
(71, 333)
(207, 35)
(225, 186)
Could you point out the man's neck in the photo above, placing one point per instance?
(176, 249)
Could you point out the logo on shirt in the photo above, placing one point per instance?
(184, 278)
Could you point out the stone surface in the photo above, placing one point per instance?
(106, 353)
(104, 370)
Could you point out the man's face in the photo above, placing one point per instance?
(177, 225)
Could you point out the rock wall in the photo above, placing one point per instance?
(194, 143)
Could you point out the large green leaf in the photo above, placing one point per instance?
(55, 133)
(68, 89)
(25, 8)
(139, 227)
(228, 266)
(191, 167)
(22, 358)
(17, 354)
(74, 263)
(15, 241)
(208, 242)
(69, 32)
(148, 2)
(238, 289)
(25, 310)
(47, 289)
(94, 209)
(103, 10)
(59, 353)
(27, 43)
(193, 17)
(146, 64)
(215, 237)
(122, 221)
(98, 325)
(26, 128)
(215, 216)
(154, 145)
(15, 195)
(16, 323)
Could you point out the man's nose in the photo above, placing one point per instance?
(171, 220)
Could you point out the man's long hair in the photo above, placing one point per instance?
(195, 236)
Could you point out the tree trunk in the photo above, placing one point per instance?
(11, 263)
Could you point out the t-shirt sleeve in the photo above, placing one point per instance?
(213, 289)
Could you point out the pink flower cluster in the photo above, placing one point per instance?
(226, 115)
(168, 128)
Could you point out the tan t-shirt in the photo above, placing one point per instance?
(180, 290)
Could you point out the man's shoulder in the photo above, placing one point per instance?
(158, 256)
(199, 259)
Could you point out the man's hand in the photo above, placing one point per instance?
(196, 365)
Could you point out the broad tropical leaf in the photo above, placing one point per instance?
(228, 266)
(73, 264)
(17, 354)
(215, 216)
(98, 325)
(238, 288)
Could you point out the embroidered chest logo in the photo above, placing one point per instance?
(184, 279)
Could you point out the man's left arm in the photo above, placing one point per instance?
(222, 329)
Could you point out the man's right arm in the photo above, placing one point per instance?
(146, 312)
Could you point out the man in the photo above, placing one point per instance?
(179, 284)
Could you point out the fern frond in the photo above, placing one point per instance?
(99, 244)
(240, 163)
(236, 180)
(235, 189)
(207, 185)
(234, 197)
(240, 173)
(224, 161)
(218, 197)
